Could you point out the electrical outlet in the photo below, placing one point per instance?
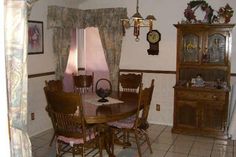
(32, 116)
(158, 107)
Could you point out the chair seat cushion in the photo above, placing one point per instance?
(124, 123)
(73, 141)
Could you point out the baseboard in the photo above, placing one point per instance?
(154, 122)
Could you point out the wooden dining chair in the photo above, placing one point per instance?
(83, 83)
(53, 85)
(129, 82)
(73, 135)
(137, 124)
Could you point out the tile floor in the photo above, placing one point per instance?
(164, 144)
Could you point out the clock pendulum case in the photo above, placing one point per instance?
(153, 37)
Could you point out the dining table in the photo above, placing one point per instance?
(120, 105)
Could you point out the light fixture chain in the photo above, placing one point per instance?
(137, 7)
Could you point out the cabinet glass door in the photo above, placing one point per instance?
(216, 48)
(190, 50)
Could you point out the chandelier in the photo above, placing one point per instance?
(137, 21)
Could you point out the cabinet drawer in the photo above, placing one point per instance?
(195, 95)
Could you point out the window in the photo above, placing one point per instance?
(94, 55)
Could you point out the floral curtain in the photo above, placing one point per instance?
(30, 4)
(17, 78)
(108, 22)
(112, 42)
(62, 21)
(61, 46)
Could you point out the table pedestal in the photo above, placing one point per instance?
(107, 139)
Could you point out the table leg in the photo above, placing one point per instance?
(108, 139)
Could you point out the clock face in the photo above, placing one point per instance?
(153, 36)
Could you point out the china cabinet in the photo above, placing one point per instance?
(202, 79)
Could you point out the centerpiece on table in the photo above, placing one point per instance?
(103, 92)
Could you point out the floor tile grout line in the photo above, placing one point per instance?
(212, 147)
(155, 138)
(160, 133)
(194, 141)
(170, 146)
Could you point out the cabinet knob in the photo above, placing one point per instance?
(214, 97)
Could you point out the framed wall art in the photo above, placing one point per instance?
(35, 37)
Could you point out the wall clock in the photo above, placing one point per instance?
(153, 37)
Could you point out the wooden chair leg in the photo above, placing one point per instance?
(148, 142)
(137, 142)
(53, 137)
(100, 145)
(124, 137)
(58, 149)
(112, 140)
(81, 152)
(127, 137)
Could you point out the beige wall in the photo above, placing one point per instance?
(134, 54)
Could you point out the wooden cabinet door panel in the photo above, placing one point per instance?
(187, 114)
(213, 116)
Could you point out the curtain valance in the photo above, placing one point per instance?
(71, 17)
